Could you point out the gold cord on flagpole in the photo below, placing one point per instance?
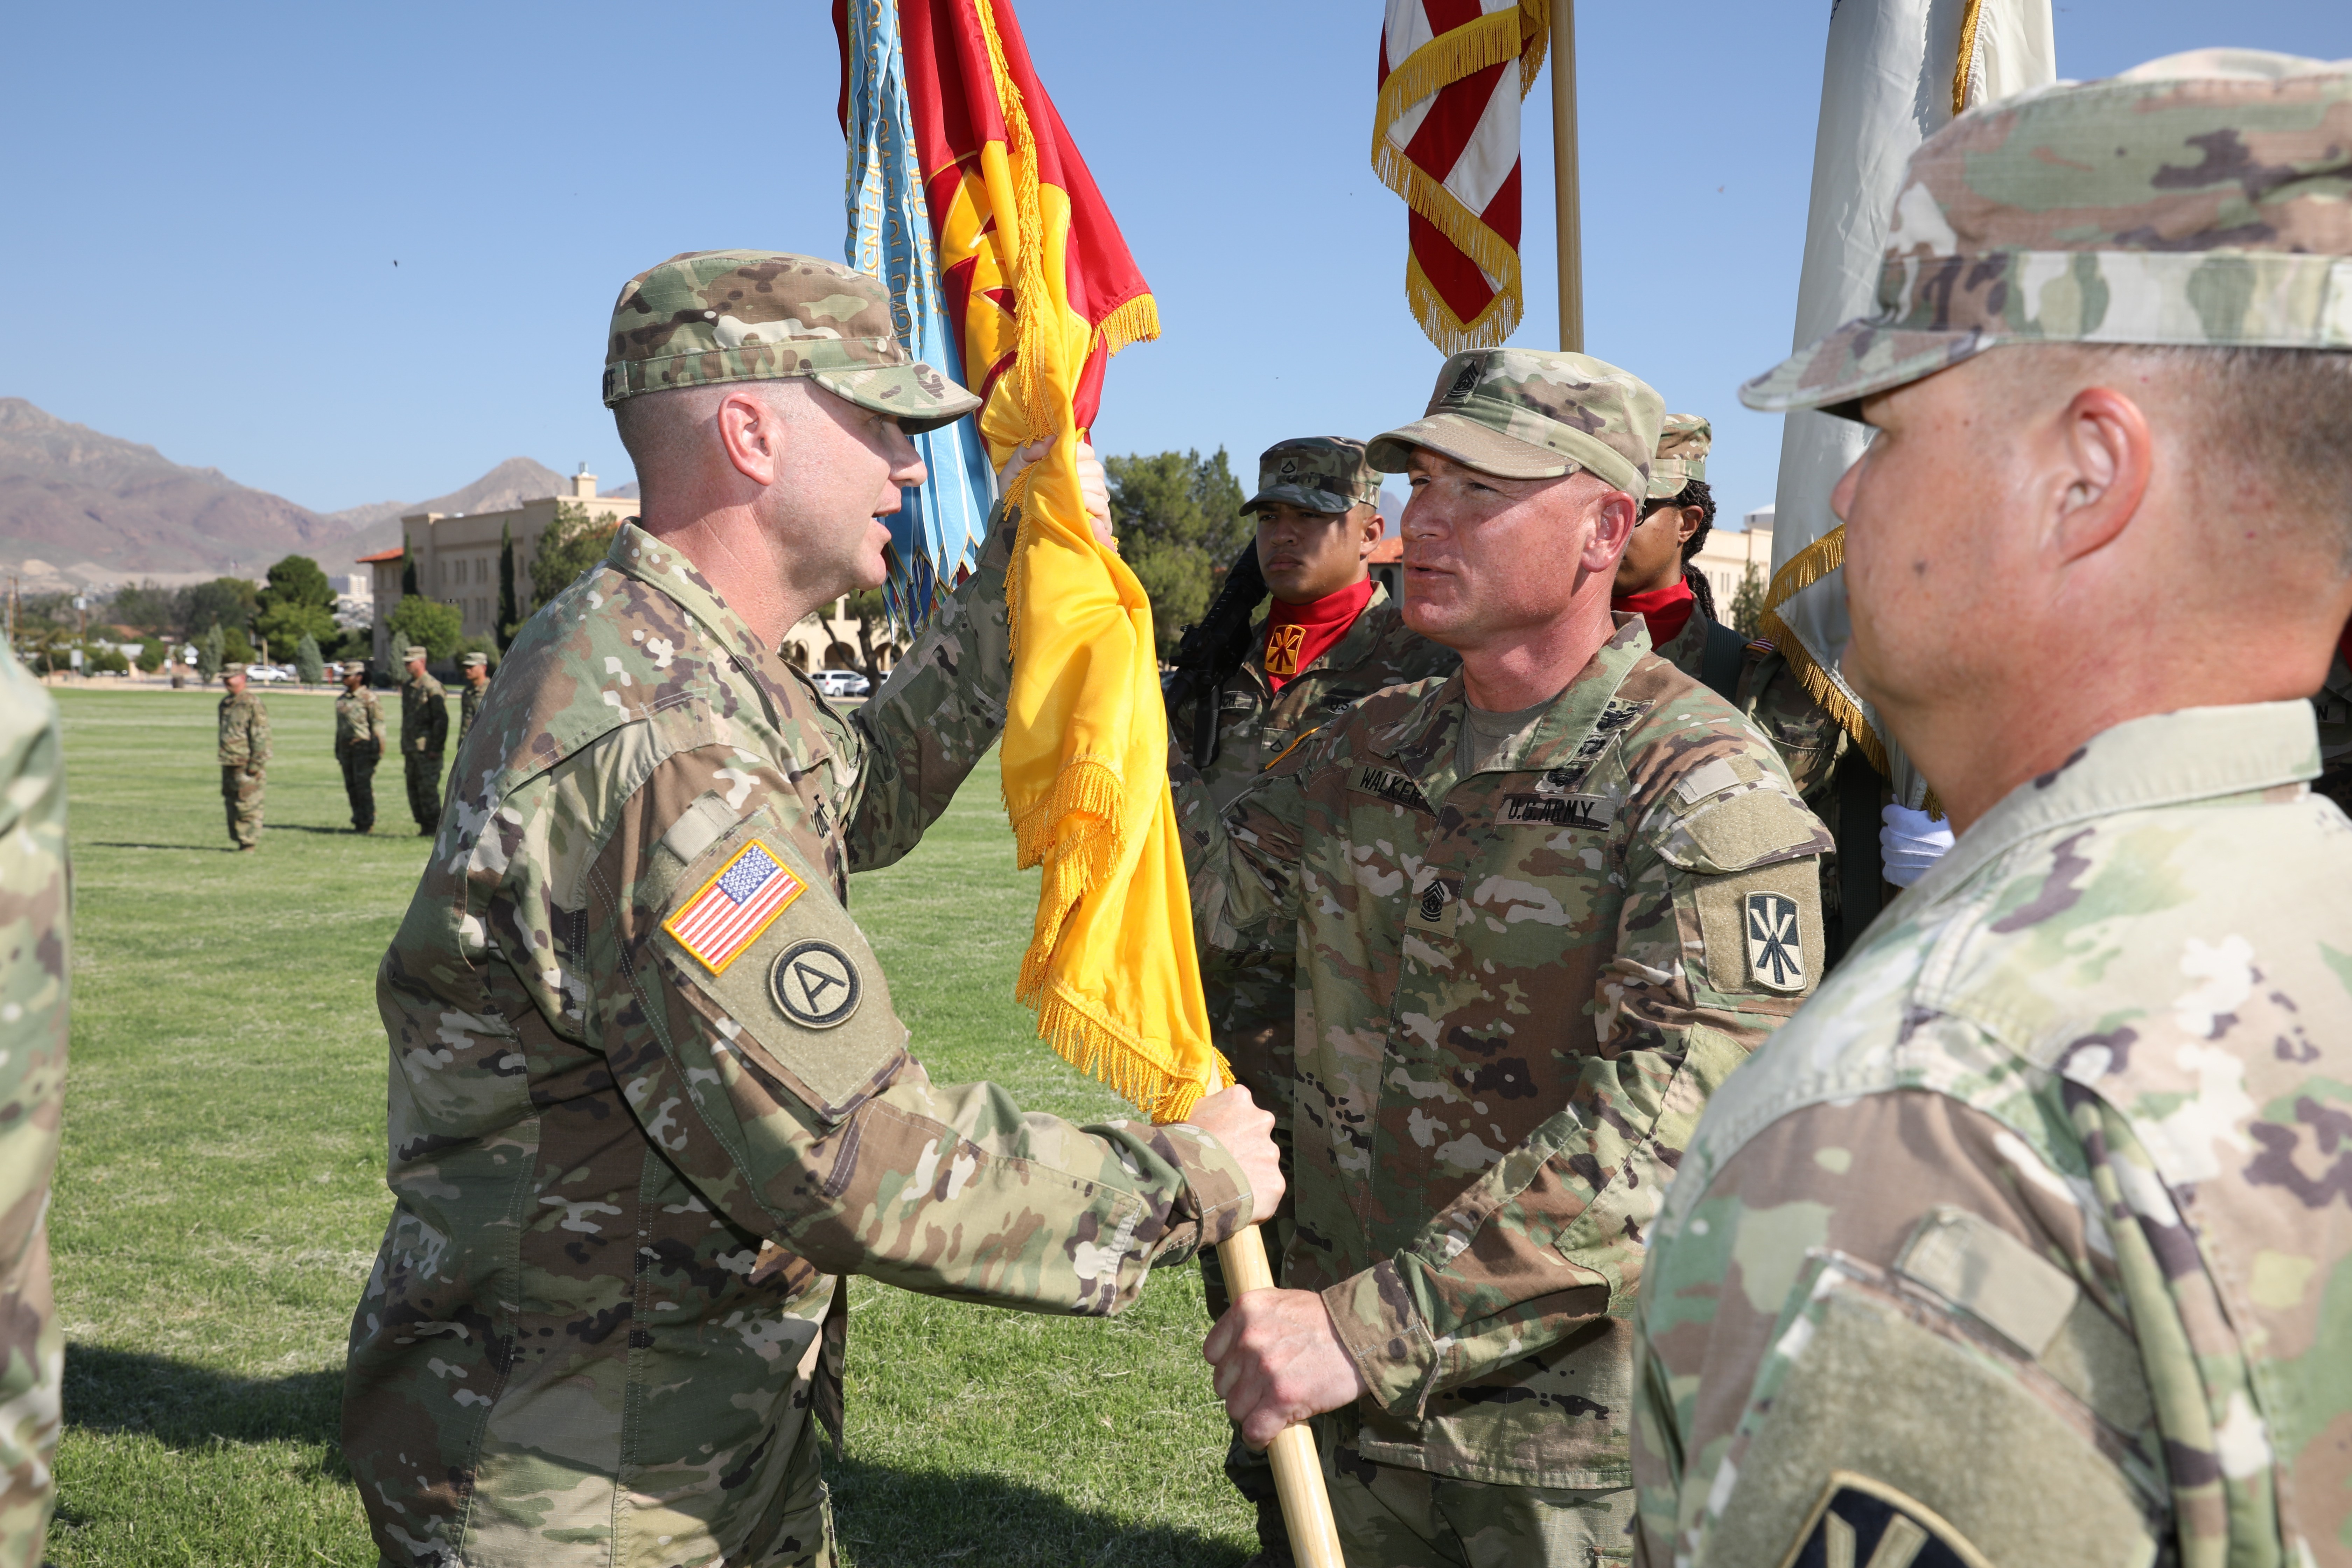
(1571, 236)
(1960, 67)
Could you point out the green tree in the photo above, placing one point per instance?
(1179, 521)
(107, 661)
(295, 605)
(510, 613)
(573, 543)
(236, 648)
(152, 654)
(308, 663)
(407, 568)
(211, 652)
(1747, 604)
(148, 606)
(223, 602)
(434, 626)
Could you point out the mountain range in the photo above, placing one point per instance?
(79, 507)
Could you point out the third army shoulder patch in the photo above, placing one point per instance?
(1776, 954)
(1861, 1523)
(815, 985)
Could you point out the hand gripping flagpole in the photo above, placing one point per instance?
(1297, 1467)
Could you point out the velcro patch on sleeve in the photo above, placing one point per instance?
(797, 990)
(1762, 929)
(1746, 829)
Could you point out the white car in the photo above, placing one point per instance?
(266, 672)
(842, 683)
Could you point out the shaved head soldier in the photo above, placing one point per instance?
(650, 1098)
(1538, 909)
(2027, 1241)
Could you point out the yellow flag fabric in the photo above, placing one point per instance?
(1110, 967)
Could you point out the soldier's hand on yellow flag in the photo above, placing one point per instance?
(1094, 485)
(1245, 1130)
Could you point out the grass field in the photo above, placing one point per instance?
(220, 1195)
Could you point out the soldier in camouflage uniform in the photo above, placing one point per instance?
(1329, 639)
(1656, 579)
(424, 737)
(35, 971)
(2027, 1241)
(475, 667)
(244, 757)
(358, 744)
(649, 1098)
(1539, 909)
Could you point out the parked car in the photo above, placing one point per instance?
(842, 683)
(255, 672)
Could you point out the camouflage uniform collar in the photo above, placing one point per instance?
(1422, 741)
(2164, 759)
(672, 572)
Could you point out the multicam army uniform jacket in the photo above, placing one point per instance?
(470, 702)
(359, 720)
(2032, 1232)
(1517, 990)
(648, 1096)
(1250, 993)
(423, 716)
(35, 974)
(244, 731)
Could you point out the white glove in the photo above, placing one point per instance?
(1909, 843)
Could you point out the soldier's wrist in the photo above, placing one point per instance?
(1385, 1336)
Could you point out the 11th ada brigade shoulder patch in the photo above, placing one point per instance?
(1776, 949)
(1864, 1523)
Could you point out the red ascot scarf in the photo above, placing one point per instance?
(1298, 635)
(1668, 610)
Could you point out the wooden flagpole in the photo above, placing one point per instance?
(1297, 1469)
(1563, 163)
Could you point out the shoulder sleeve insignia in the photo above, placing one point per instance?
(730, 911)
(815, 983)
(1776, 952)
(1866, 1524)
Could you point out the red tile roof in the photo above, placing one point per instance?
(379, 555)
(1387, 550)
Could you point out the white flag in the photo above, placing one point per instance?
(1896, 72)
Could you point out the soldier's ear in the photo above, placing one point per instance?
(2099, 471)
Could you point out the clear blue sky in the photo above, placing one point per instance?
(207, 203)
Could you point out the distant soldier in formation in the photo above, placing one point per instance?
(424, 737)
(2027, 1241)
(1330, 638)
(475, 667)
(244, 757)
(359, 744)
(35, 961)
(1656, 579)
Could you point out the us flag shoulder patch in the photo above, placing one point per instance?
(734, 906)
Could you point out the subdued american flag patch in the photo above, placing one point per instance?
(733, 907)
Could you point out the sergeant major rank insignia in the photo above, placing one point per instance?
(1776, 955)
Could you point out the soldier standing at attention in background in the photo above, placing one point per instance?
(1656, 580)
(1541, 907)
(36, 962)
(358, 744)
(423, 736)
(649, 1096)
(2029, 1241)
(475, 667)
(1330, 639)
(244, 756)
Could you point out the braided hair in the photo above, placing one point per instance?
(1693, 493)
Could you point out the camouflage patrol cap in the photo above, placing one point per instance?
(2203, 199)
(1682, 443)
(707, 317)
(413, 651)
(476, 661)
(1318, 473)
(353, 668)
(229, 669)
(1521, 414)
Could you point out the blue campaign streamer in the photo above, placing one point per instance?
(938, 531)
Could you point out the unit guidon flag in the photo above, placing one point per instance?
(733, 907)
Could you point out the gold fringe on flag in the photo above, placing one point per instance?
(1136, 321)
(1967, 58)
(1807, 567)
(1524, 34)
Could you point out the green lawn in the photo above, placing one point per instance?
(221, 1193)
